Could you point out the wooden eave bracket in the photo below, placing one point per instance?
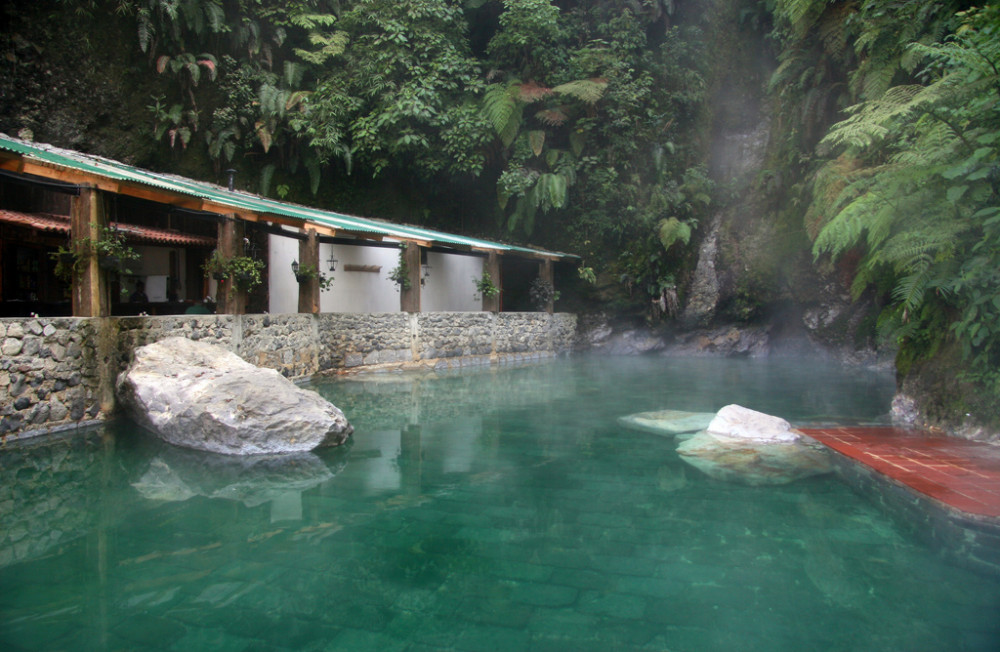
(11, 162)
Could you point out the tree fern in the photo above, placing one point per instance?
(672, 230)
(800, 14)
(145, 29)
(924, 206)
(215, 16)
(832, 28)
(500, 105)
(585, 90)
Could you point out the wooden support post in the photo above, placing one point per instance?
(309, 289)
(90, 286)
(492, 267)
(546, 274)
(229, 300)
(409, 300)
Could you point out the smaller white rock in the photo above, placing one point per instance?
(743, 423)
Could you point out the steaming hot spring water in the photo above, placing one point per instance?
(494, 509)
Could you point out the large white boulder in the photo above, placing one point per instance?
(743, 423)
(205, 397)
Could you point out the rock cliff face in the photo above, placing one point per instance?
(71, 80)
(754, 288)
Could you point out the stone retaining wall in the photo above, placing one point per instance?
(357, 339)
(50, 373)
(288, 343)
(59, 372)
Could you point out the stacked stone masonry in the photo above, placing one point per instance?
(59, 373)
(49, 373)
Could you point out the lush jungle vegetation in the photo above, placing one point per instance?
(905, 186)
(586, 125)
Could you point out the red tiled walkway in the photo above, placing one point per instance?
(962, 474)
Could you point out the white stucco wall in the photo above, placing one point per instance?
(282, 288)
(449, 287)
(359, 291)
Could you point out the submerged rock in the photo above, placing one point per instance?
(667, 422)
(749, 447)
(753, 462)
(204, 397)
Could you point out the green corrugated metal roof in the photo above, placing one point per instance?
(240, 201)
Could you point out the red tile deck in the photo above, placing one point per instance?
(964, 475)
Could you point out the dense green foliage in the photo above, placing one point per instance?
(583, 119)
(909, 181)
(583, 125)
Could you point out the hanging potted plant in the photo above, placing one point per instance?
(244, 271)
(306, 272)
(215, 266)
(68, 262)
(112, 253)
(485, 286)
(400, 274)
(112, 250)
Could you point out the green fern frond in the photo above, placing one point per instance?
(215, 16)
(585, 90)
(910, 289)
(672, 230)
(312, 21)
(500, 106)
(293, 74)
(145, 29)
(877, 79)
(330, 45)
(513, 126)
(868, 121)
(832, 28)
(266, 175)
(800, 14)
(783, 73)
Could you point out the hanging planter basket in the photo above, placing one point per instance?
(109, 262)
(219, 276)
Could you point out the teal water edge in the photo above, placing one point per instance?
(496, 509)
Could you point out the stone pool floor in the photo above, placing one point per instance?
(964, 475)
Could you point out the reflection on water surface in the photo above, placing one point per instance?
(494, 509)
